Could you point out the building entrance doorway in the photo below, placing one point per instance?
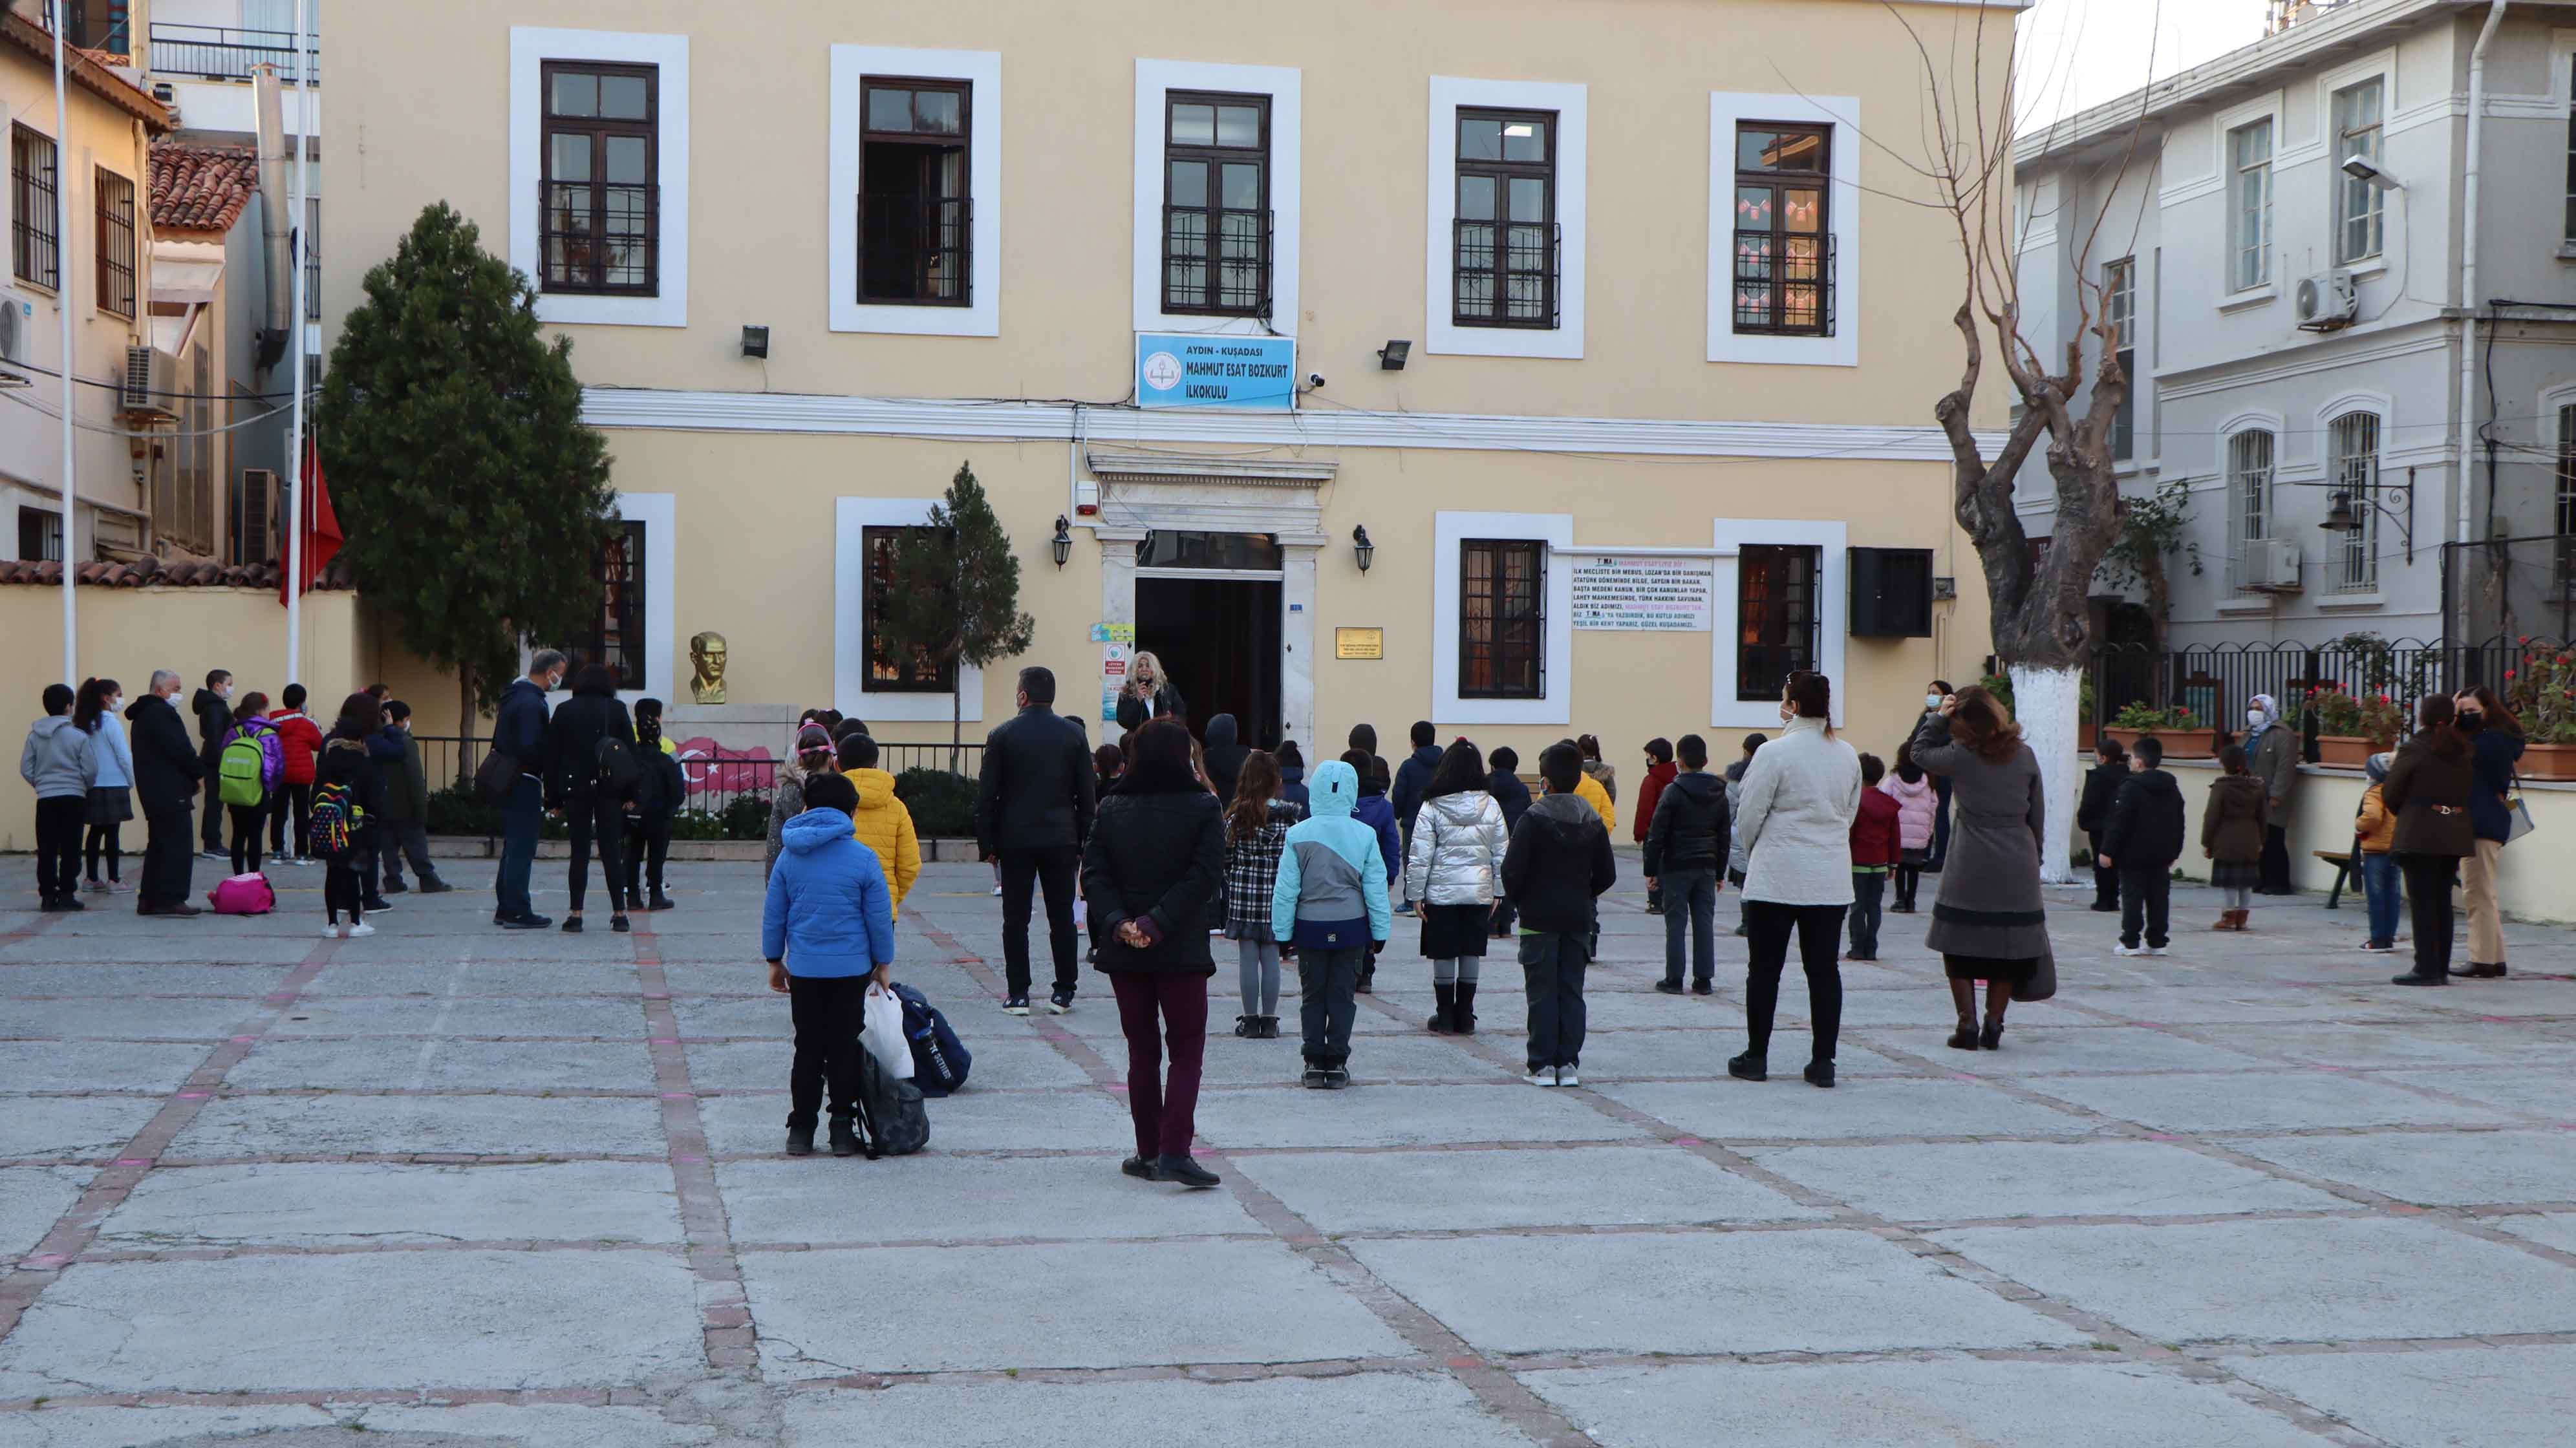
(1218, 639)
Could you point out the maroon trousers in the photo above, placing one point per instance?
(1166, 1113)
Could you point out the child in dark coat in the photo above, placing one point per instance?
(1876, 846)
(1557, 864)
(657, 802)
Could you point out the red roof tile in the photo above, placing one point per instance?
(200, 188)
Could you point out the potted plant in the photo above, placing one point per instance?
(2542, 694)
(2351, 727)
(2182, 733)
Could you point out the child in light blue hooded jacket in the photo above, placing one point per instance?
(1328, 906)
(827, 930)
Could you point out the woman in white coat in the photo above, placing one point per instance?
(1449, 872)
(1800, 794)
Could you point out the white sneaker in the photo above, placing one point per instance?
(2128, 950)
(1565, 1077)
(2155, 950)
(997, 892)
(358, 931)
(1541, 1076)
(333, 932)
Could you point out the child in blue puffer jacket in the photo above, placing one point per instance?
(827, 932)
(1329, 906)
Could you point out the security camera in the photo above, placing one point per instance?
(1314, 379)
(2362, 168)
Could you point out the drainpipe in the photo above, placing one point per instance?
(2463, 521)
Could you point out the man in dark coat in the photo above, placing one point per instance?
(1033, 809)
(519, 730)
(1412, 777)
(213, 707)
(166, 770)
(2141, 840)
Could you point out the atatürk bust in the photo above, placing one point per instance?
(707, 667)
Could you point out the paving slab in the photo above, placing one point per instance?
(2057, 1050)
(2498, 1397)
(268, 1425)
(1419, 1410)
(1826, 1290)
(1384, 1115)
(1232, 1061)
(2313, 1280)
(1476, 1190)
(2545, 1094)
(155, 1066)
(439, 1063)
(929, 1198)
(1930, 1182)
(2549, 1229)
(476, 975)
(2435, 1168)
(1906, 1404)
(315, 1204)
(2422, 1043)
(1787, 1108)
(75, 1127)
(565, 1016)
(415, 1125)
(134, 1018)
(32, 1199)
(120, 937)
(755, 1123)
(120, 982)
(2262, 1101)
(998, 1065)
(1111, 1304)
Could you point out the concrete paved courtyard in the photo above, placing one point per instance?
(456, 1187)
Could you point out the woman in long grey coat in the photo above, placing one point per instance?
(1988, 921)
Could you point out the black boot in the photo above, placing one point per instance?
(845, 1137)
(1444, 1013)
(1464, 1018)
(800, 1141)
(1244, 1027)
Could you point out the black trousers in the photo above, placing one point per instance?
(170, 852)
(2106, 883)
(292, 805)
(596, 823)
(1328, 984)
(106, 842)
(648, 846)
(214, 821)
(1907, 879)
(345, 885)
(1552, 966)
(2276, 862)
(2429, 879)
(58, 845)
(1819, 928)
(1052, 870)
(827, 1010)
(249, 821)
(2146, 900)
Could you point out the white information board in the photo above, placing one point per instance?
(1628, 594)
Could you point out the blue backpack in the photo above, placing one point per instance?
(939, 1060)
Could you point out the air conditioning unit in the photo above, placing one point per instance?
(2327, 301)
(2272, 565)
(151, 389)
(17, 317)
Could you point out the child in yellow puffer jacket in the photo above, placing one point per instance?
(881, 823)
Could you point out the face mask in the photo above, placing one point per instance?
(1785, 711)
(225, 693)
(2472, 723)
(1931, 701)
(2254, 717)
(116, 703)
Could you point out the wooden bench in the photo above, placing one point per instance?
(2344, 871)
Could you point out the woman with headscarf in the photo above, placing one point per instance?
(1988, 920)
(2272, 756)
(1148, 694)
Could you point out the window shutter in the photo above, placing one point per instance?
(1538, 619)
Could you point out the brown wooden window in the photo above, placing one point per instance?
(888, 674)
(40, 535)
(1502, 625)
(35, 249)
(616, 634)
(1776, 616)
(1503, 242)
(1784, 250)
(915, 240)
(115, 243)
(1216, 204)
(601, 212)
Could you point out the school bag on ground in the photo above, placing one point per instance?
(242, 769)
(890, 1111)
(243, 895)
(336, 820)
(939, 1060)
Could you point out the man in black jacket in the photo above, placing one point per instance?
(1559, 860)
(166, 770)
(1032, 811)
(1685, 848)
(519, 731)
(213, 706)
(1412, 778)
(2093, 814)
(2141, 842)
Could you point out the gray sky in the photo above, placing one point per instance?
(2079, 53)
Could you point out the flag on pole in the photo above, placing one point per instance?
(321, 526)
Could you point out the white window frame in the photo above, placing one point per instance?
(2562, 93)
(659, 513)
(1727, 110)
(1830, 538)
(1442, 334)
(2345, 187)
(2277, 428)
(851, 518)
(1285, 86)
(530, 48)
(2366, 499)
(2557, 440)
(2268, 114)
(1556, 663)
(982, 71)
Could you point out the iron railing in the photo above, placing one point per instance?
(2216, 681)
(916, 250)
(1510, 280)
(217, 52)
(1784, 283)
(1227, 273)
(599, 237)
(717, 778)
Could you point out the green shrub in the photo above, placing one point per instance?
(942, 804)
(456, 810)
(747, 818)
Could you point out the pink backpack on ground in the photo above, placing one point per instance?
(243, 895)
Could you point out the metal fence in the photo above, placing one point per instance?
(219, 52)
(718, 779)
(2214, 681)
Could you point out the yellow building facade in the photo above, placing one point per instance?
(1613, 342)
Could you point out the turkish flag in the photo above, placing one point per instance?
(321, 526)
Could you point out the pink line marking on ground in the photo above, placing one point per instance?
(244, 1040)
(2162, 1136)
(1687, 1141)
(134, 1161)
(2499, 1020)
(679, 1096)
(47, 1260)
(193, 1095)
(663, 1041)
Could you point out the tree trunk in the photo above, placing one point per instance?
(2047, 699)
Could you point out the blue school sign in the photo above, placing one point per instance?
(1206, 370)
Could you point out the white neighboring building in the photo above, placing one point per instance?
(2231, 215)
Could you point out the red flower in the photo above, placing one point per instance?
(2508, 673)
(2526, 638)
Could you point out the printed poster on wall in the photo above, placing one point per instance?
(1117, 645)
(1634, 594)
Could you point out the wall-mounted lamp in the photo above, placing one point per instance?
(2344, 508)
(755, 342)
(1361, 545)
(1062, 546)
(1391, 357)
(2362, 168)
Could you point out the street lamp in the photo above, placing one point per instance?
(1361, 545)
(1062, 547)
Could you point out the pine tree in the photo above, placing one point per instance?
(474, 498)
(954, 597)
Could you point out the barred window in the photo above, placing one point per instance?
(1783, 244)
(2354, 438)
(1501, 619)
(887, 673)
(2120, 310)
(35, 247)
(2567, 470)
(616, 633)
(2249, 493)
(1216, 204)
(913, 208)
(115, 243)
(601, 215)
(1503, 255)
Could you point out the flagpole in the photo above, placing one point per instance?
(63, 309)
(294, 508)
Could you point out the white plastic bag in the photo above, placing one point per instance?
(882, 1033)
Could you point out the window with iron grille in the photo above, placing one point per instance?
(2354, 439)
(888, 674)
(2567, 471)
(1784, 250)
(914, 240)
(2571, 153)
(1503, 251)
(1502, 627)
(1216, 204)
(2358, 120)
(35, 250)
(600, 222)
(40, 535)
(115, 243)
(2249, 205)
(2249, 494)
(616, 636)
(1776, 616)
(2120, 310)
